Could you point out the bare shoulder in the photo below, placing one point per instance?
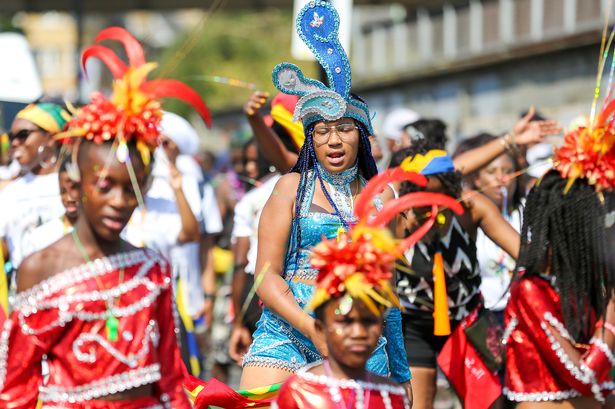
(288, 182)
(43, 264)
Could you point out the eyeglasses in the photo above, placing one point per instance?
(21, 135)
(321, 134)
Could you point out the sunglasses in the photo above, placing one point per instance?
(21, 135)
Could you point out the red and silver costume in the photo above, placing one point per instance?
(305, 390)
(62, 320)
(537, 365)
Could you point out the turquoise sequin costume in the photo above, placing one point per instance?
(278, 344)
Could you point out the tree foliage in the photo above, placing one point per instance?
(242, 45)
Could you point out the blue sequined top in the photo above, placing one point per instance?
(314, 225)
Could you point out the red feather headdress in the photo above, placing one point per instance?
(360, 262)
(587, 151)
(133, 111)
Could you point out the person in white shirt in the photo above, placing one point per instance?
(57, 228)
(34, 197)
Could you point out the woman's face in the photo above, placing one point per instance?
(26, 140)
(497, 178)
(69, 193)
(351, 331)
(250, 166)
(336, 144)
(108, 195)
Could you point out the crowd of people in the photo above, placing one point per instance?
(137, 269)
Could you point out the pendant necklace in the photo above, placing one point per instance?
(112, 324)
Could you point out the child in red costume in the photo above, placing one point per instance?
(98, 310)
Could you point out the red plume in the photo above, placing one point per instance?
(365, 202)
(134, 51)
(117, 67)
(418, 234)
(179, 90)
(417, 199)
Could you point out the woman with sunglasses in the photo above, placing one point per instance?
(34, 197)
(315, 199)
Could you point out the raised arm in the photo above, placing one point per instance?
(487, 216)
(268, 141)
(525, 132)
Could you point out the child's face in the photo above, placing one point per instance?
(351, 331)
(109, 197)
(69, 193)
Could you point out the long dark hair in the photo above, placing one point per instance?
(307, 161)
(564, 231)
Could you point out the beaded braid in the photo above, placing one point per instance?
(307, 161)
(566, 233)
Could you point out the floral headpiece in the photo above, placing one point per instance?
(133, 112)
(317, 25)
(587, 152)
(360, 262)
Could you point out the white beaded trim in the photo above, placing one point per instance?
(151, 334)
(83, 272)
(62, 302)
(350, 383)
(582, 373)
(103, 387)
(65, 407)
(604, 348)
(4, 350)
(539, 396)
(554, 322)
(512, 324)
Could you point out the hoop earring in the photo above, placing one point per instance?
(46, 164)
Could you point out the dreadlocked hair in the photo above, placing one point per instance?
(307, 161)
(451, 181)
(565, 233)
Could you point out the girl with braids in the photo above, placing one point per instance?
(316, 199)
(448, 246)
(560, 318)
(98, 310)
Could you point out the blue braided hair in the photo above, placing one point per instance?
(307, 161)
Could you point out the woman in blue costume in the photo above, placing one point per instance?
(315, 199)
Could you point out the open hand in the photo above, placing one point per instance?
(528, 132)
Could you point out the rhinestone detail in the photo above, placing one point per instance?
(152, 335)
(103, 387)
(4, 350)
(512, 324)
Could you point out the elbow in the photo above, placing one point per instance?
(189, 236)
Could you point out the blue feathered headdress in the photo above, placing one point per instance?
(317, 25)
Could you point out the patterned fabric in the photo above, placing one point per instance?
(317, 25)
(463, 279)
(276, 343)
(538, 366)
(64, 318)
(306, 390)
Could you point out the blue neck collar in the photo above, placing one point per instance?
(340, 179)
